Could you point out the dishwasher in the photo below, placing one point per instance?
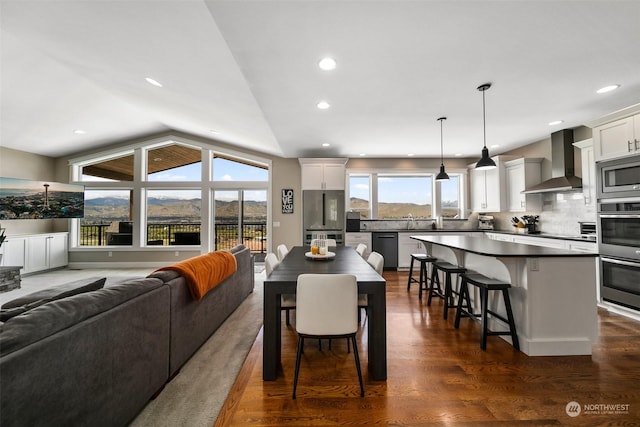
(386, 243)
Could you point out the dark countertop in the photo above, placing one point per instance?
(498, 249)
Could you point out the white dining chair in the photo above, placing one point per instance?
(287, 301)
(376, 261)
(282, 251)
(361, 249)
(327, 307)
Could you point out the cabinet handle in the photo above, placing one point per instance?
(629, 146)
(635, 143)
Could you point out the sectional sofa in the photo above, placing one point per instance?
(97, 357)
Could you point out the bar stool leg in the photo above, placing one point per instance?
(512, 323)
(422, 278)
(435, 280)
(484, 301)
(464, 292)
(410, 274)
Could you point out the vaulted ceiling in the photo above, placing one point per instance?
(245, 73)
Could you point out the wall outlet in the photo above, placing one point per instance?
(177, 253)
(110, 254)
(534, 264)
(276, 223)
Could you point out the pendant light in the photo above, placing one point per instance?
(485, 163)
(442, 176)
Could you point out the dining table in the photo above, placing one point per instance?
(339, 260)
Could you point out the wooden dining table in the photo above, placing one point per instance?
(283, 280)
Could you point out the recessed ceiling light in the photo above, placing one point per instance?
(79, 132)
(458, 154)
(153, 82)
(327, 64)
(215, 132)
(495, 146)
(556, 122)
(323, 105)
(326, 144)
(410, 154)
(362, 154)
(607, 88)
(157, 159)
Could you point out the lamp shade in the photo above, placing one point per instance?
(485, 163)
(442, 176)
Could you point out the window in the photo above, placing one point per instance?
(173, 217)
(174, 162)
(359, 194)
(107, 218)
(450, 202)
(112, 169)
(229, 169)
(165, 178)
(400, 195)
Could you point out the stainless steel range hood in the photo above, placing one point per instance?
(562, 166)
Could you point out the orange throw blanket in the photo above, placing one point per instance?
(205, 272)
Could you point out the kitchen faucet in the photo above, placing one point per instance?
(411, 223)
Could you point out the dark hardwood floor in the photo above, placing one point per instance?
(438, 376)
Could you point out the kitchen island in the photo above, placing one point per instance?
(553, 291)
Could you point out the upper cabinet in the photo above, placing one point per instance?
(588, 170)
(617, 139)
(487, 187)
(520, 174)
(323, 174)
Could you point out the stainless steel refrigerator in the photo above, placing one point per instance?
(323, 210)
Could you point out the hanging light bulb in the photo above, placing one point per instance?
(485, 163)
(442, 176)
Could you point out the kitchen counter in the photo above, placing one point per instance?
(553, 291)
(499, 249)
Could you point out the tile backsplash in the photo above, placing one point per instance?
(561, 214)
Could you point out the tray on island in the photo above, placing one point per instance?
(328, 255)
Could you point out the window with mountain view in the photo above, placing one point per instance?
(450, 197)
(359, 194)
(400, 195)
(107, 218)
(173, 217)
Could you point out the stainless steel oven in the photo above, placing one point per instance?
(619, 228)
(619, 247)
(620, 281)
(618, 178)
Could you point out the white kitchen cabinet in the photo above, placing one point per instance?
(14, 251)
(323, 174)
(488, 187)
(36, 252)
(408, 246)
(617, 139)
(353, 239)
(540, 241)
(588, 163)
(521, 174)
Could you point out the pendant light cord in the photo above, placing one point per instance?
(484, 121)
(441, 149)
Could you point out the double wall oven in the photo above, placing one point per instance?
(618, 224)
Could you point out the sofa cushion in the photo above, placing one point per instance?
(58, 292)
(55, 316)
(8, 313)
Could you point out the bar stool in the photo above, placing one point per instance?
(486, 284)
(423, 259)
(448, 269)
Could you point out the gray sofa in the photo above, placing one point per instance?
(97, 358)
